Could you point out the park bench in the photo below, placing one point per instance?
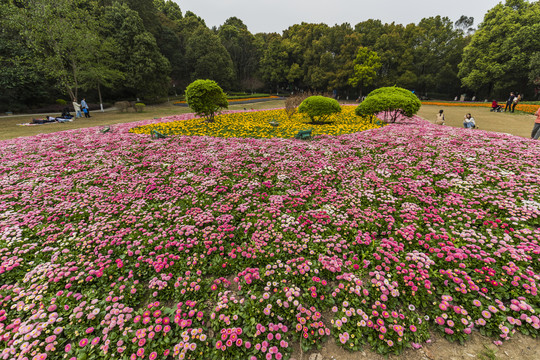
(303, 134)
(154, 134)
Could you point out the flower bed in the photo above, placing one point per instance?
(528, 108)
(116, 246)
(256, 124)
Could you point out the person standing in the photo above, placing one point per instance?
(77, 108)
(85, 108)
(509, 102)
(516, 100)
(536, 129)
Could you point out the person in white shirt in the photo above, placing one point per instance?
(469, 122)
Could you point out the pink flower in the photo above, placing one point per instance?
(50, 339)
(83, 342)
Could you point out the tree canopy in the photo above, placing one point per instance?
(392, 101)
(499, 55)
(150, 48)
(366, 64)
(205, 97)
(319, 108)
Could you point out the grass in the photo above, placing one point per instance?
(487, 354)
(518, 123)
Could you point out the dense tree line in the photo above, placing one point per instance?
(149, 49)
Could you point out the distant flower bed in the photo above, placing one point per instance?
(256, 124)
(528, 108)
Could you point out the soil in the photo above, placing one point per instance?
(479, 347)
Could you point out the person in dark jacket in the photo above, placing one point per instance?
(509, 102)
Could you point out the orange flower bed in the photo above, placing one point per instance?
(242, 99)
(528, 108)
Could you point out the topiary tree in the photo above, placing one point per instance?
(205, 97)
(319, 108)
(393, 101)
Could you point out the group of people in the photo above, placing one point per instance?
(468, 122)
(66, 116)
(512, 102)
(84, 106)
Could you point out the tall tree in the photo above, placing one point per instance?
(366, 64)
(437, 45)
(145, 68)
(240, 44)
(274, 62)
(60, 33)
(344, 63)
(208, 58)
(396, 50)
(147, 12)
(498, 56)
(169, 8)
(465, 24)
(104, 71)
(20, 80)
(171, 45)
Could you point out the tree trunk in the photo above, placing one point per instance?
(99, 94)
(70, 92)
(75, 83)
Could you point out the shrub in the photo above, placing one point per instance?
(61, 102)
(139, 107)
(205, 97)
(393, 101)
(319, 108)
(292, 102)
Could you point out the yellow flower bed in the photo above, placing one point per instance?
(528, 108)
(257, 125)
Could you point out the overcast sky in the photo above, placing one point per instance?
(278, 15)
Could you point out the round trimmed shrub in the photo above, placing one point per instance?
(319, 108)
(139, 107)
(205, 97)
(393, 101)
